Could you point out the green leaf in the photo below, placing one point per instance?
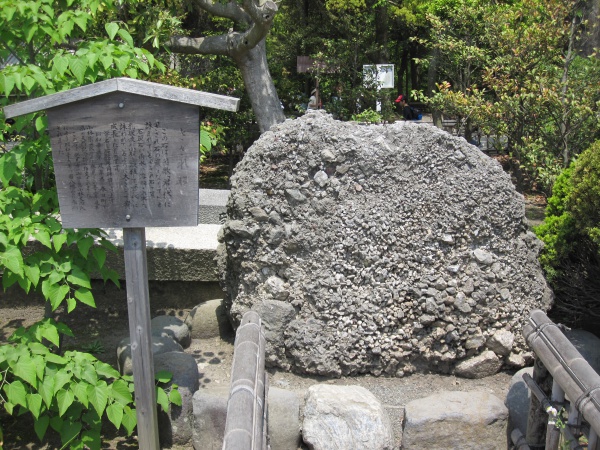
(91, 439)
(61, 378)
(25, 369)
(132, 73)
(16, 393)
(56, 359)
(111, 29)
(162, 399)
(41, 123)
(84, 245)
(80, 391)
(34, 403)
(129, 419)
(163, 376)
(106, 370)
(106, 61)
(175, 397)
(81, 20)
(70, 430)
(122, 62)
(58, 240)
(40, 426)
(124, 34)
(142, 65)
(89, 374)
(8, 167)
(46, 390)
(8, 11)
(78, 66)
(98, 396)
(8, 406)
(64, 399)
(120, 392)
(51, 334)
(29, 83)
(114, 412)
(32, 273)
(71, 304)
(54, 293)
(56, 423)
(85, 296)
(44, 238)
(9, 84)
(99, 255)
(61, 63)
(79, 278)
(12, 260)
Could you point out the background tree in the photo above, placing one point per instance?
(244, 42)
(532, 87)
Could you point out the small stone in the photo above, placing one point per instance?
(321, 178)
(483, 257)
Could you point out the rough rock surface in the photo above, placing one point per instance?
(400, 247)
(345, 418)
(465, 420)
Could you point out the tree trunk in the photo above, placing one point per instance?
(259, 87)
(246, 48)
(381, 34)
(431, 81)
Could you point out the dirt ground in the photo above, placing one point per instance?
(102, 328)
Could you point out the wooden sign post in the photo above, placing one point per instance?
(125, 156)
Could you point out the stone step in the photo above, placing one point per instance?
(180, 253)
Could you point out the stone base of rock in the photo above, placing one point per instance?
(455, 420)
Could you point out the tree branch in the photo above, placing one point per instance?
(234, 43)
(210, 45)
(230, 10)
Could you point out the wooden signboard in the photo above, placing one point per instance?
(126, 155)
(125, 152)
(124, 160)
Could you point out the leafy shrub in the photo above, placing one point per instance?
(368, 116)
(584, 200)
(571, 230)
(67, 393)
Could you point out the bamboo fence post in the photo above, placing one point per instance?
(245, 408)
(552, 432)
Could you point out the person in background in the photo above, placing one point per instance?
(407, 112)
(313, 101)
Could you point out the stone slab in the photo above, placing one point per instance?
(182, 253)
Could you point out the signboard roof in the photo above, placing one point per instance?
(126, 85)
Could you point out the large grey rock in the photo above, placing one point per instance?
(587, 344)
(345, 418)
(501, 342)
(275, 316)
(175, 427)
(210, 414)
(517, 401)
(455, 420)
(209, 320)
(479, 366)
(160, 344)
(284, 427)
(380, 237)
(172, 327)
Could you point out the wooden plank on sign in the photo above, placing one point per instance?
(140, 333)
(123, 160)
(124, 85)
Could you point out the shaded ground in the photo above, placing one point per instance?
(102, 328)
